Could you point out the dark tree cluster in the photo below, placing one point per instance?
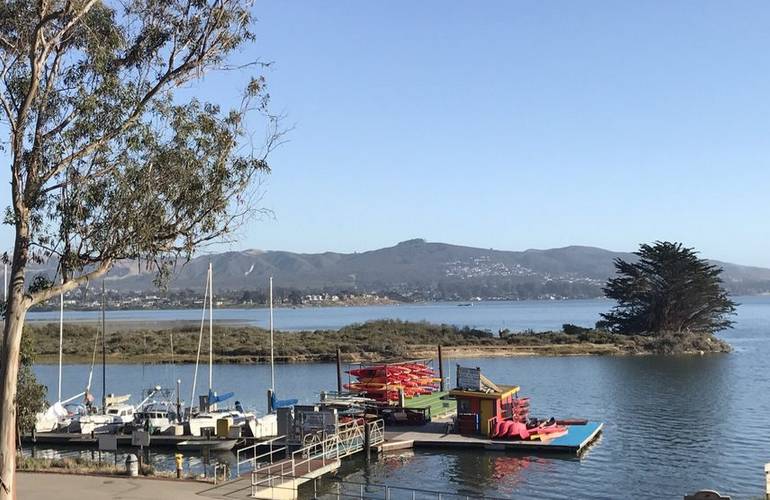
(669, 289)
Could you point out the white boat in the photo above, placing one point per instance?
(156, 417)
(56, 417)
(204, 420)
(118, 413)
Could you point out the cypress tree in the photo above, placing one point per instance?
(669, 289)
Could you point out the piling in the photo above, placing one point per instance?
(368, 441)
(339, 370)
(441, 368)
(178, 401)
(269, 401)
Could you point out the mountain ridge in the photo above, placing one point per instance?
(418, 269)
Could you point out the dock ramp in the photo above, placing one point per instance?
(280, 480)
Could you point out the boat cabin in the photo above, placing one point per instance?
(125, 411)
(479, 400)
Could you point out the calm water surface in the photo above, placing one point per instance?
(673, 424)
(535, 314)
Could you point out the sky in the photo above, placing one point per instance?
(512, 125)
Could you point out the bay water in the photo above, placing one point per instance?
(673, 424)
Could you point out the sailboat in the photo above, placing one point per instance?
(205, 420)
(161, 414)
(116, 412)
(56, 416)
(275, 403)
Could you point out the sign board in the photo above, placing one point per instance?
(322, 420)
(108, 442)
(140, 438)
(468, 378)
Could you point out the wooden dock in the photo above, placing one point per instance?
(434, 435)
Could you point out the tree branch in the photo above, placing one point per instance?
(48, 293)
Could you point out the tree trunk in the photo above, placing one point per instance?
(16, 311)
(14, 324)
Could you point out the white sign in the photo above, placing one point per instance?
(108, 442)
(468, 378)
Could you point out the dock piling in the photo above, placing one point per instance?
(269, 401)
(339, 370)
(441, 368)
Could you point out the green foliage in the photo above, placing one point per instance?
(111, 163)
(669, 289)
(571, 329)
(30, 395)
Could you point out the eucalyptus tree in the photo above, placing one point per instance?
(107, 159)
(668, 289)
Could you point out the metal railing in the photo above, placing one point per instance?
(255, 458)
(348, 439)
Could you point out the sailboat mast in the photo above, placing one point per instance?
(61, 336)
(104, 354)
(211, 325)
(272, 360)
(200, 343)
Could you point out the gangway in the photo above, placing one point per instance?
(280, 480)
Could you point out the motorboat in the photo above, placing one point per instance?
(158, 414)
(117, 414)
(156, 418)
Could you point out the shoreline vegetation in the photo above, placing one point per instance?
(370, 341)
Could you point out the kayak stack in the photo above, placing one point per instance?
(528, 431)
(520, 427)
(383, 382)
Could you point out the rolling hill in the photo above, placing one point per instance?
(420, 269)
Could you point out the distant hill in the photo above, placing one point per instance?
(420, 270)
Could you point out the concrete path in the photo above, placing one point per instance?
(40, 485)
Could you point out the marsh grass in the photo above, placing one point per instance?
(382, 339)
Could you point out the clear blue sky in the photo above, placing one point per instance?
(515, 125)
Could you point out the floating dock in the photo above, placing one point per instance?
(434, 435)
